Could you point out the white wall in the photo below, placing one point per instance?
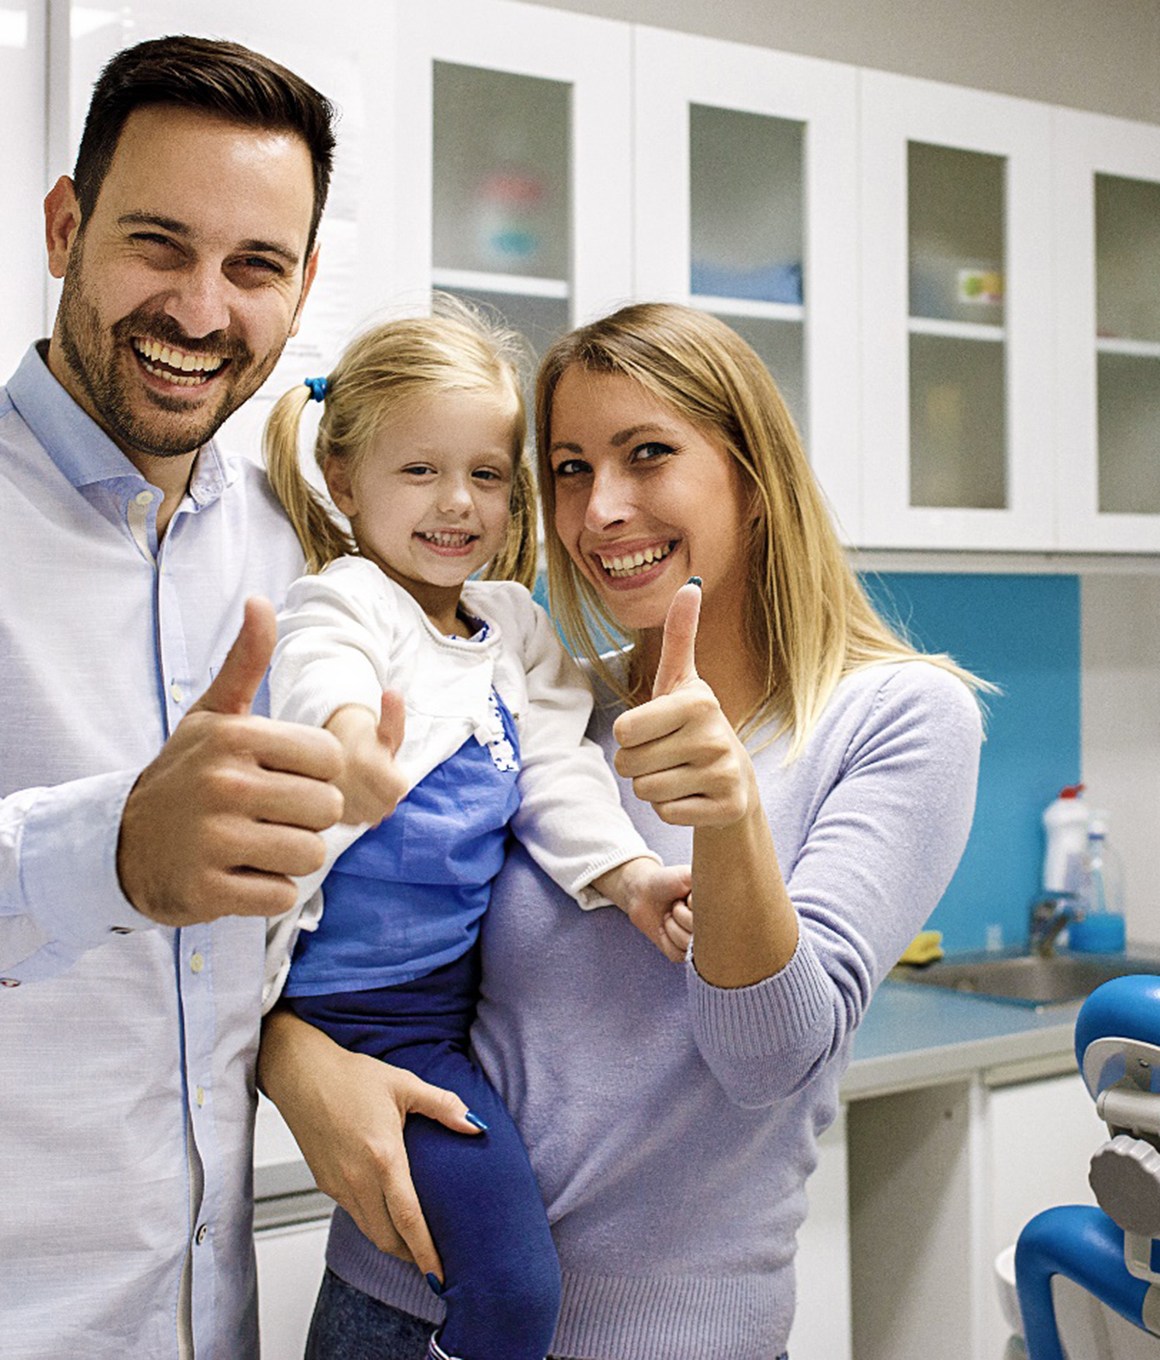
(1121, 730)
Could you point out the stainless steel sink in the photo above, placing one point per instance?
(1026, 979)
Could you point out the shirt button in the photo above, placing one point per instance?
(144, 498)
(9, 982)
(199, 1096)
(197, 962)
(176, 692)
(201, 1234)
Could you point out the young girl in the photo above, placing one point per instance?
(420, 445)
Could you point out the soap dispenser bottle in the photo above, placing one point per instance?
(1099, 926)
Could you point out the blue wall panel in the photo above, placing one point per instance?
(1022, 633)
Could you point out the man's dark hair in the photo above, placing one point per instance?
(219, 78)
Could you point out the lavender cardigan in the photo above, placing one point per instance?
(672, 1124)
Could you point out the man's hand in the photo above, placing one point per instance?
(232, 806)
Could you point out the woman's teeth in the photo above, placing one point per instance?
(631, 563)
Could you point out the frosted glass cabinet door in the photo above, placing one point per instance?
(513, 163)
(745, 206)
(22, 102)
(956, 320)
(1108, 332)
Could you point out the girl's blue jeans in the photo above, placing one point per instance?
(479, 1196)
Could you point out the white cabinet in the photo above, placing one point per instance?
(745, 205)
(956, 317)
(1107, 192)
(513, 176)
(22, 89)
(291, 1260)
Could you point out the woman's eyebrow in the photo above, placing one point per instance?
(633, 432)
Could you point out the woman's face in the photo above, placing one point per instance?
(644, 499)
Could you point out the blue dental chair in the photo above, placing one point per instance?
(1113, 1251)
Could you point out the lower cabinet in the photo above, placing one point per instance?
(290, 1264)
(941, 1179)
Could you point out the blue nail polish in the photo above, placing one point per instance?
(475, 1121)
(435, 1283)
(693, 581)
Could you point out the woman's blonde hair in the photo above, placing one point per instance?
(808, 619)
(381, 373)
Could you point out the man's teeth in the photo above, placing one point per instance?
(633, 562)
(186, 370)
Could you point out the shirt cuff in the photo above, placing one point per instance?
(68, 861)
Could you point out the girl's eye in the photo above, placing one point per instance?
(418, 470)
(570, 467)
(488, 475)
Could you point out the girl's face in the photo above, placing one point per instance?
(644, 500)
(429, 500)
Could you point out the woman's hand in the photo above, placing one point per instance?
(347, 1112)
(683, 756)
(679, 749)
(372, 784)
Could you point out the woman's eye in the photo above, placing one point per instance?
(646, 453)
(570, 467)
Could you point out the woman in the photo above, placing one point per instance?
(827, 774)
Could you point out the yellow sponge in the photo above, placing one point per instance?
(926, 947)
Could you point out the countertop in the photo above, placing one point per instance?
(911, 1036)
(924, 1036)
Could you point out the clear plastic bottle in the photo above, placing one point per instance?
(1100, 894)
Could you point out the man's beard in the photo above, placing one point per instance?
(137, 417)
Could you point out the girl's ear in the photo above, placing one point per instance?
(338, 483)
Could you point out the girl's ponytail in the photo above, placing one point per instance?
(322, 539)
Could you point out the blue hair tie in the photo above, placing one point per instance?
(317, 388)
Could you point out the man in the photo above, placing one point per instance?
(145, 834)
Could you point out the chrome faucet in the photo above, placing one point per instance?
(1050, 915)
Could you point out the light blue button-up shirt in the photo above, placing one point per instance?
(127, 1057)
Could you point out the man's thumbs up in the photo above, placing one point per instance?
(233, 688)
(678, 646)
(232, 806)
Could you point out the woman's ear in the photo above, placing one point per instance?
(337, 474)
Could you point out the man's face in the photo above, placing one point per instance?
(186, 280)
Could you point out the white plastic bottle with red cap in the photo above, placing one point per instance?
(1066, 823)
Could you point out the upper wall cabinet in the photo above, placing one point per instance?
(22, 95)
(745, 205)
(1107, 192)
(514, 170)
(956, 318)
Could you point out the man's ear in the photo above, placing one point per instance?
(337, 474)
(62, 222)
(307, 279)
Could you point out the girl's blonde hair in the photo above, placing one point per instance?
(807, 617)
(381, 373)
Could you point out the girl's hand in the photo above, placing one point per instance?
(654, 897)
(679, 749)
(372, 784)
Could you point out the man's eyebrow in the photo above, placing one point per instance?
(176, 228)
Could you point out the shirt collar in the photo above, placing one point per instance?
(81, 450)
